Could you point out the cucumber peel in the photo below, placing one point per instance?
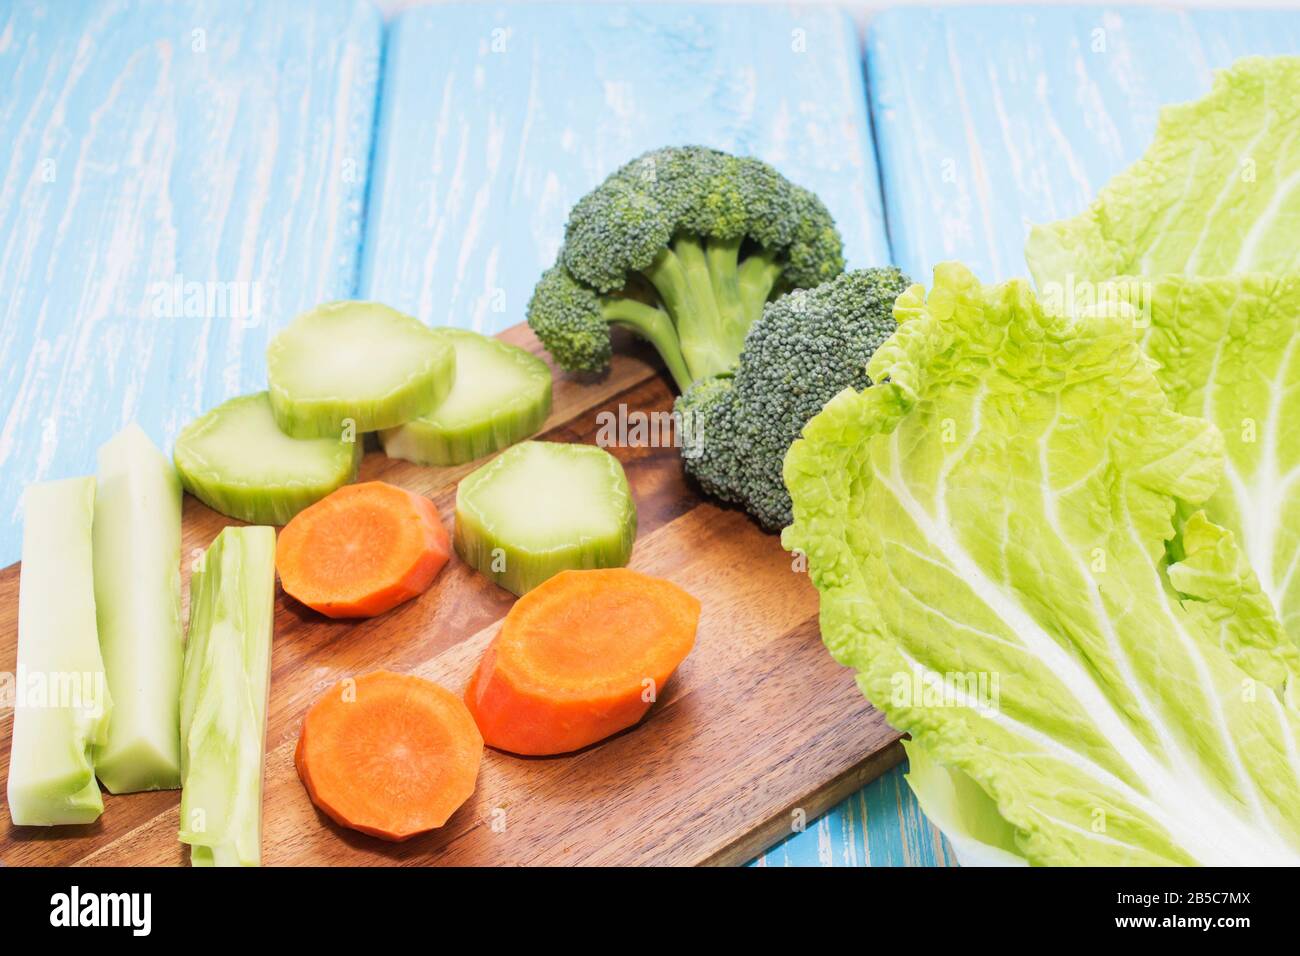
(350, 367)
(137, 554)
(501, 394)
(223, 701)
(540, 508)
(237, 461)
(63, 704)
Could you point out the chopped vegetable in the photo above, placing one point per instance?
(223, 698)
(580, 658)
(137, 547)
(391, 755)
(502, 394)
(62, 713)
(236, 461)
(544, 507)
(353, 367)
(362, 551)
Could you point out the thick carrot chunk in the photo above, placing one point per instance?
(579, 658)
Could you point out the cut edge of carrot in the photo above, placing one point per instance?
(522, 713)
(426, 555)
(361, 809)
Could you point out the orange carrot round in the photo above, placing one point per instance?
(579, 658)
(362, 550)
(391, 755)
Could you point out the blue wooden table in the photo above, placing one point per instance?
(178, 180)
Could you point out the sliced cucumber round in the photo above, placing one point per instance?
(236, 460)
(540, 508)
(350, 367)
(501, 394)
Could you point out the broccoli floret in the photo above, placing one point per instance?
(806, 348)
(684, 245)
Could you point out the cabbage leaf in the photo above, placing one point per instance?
(988, 528)
(1202, 235)
(1228, 350)
(1216, 193)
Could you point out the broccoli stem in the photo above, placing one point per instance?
(680, 274)
(707, 342)
(757, 276)
(655, 326)
(723, 257)
(712, 298)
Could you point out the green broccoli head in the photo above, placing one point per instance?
(684, 245)
(703, 410)
(806, 348)
(573, 326)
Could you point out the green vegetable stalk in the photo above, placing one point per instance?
(63, 705)
(137, 546)
(223, 698)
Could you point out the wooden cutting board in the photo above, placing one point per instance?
(758, 731)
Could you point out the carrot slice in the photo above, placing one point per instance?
(579, 658)
(392, 755)
(362, 550)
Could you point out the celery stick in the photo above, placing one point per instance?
(62, 699)
(137, 547)
(223, 698)
(501, 394)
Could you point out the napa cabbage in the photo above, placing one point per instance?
(1007, 534)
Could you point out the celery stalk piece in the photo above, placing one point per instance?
(501, 394)
(357, 366)
(540, 508)
(236, 461)
(224, 688)
(137, 548)
(62, 699)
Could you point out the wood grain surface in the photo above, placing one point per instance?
(758, 731)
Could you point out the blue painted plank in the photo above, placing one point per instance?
(988, 120)
(881, 825)
(148, 146)
(494, 119)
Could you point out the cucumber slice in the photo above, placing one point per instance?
(540, 508)
(351, 367)
(237, 461)
(224, 688)
(62, 703)
(501, 394)
(137, 546)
